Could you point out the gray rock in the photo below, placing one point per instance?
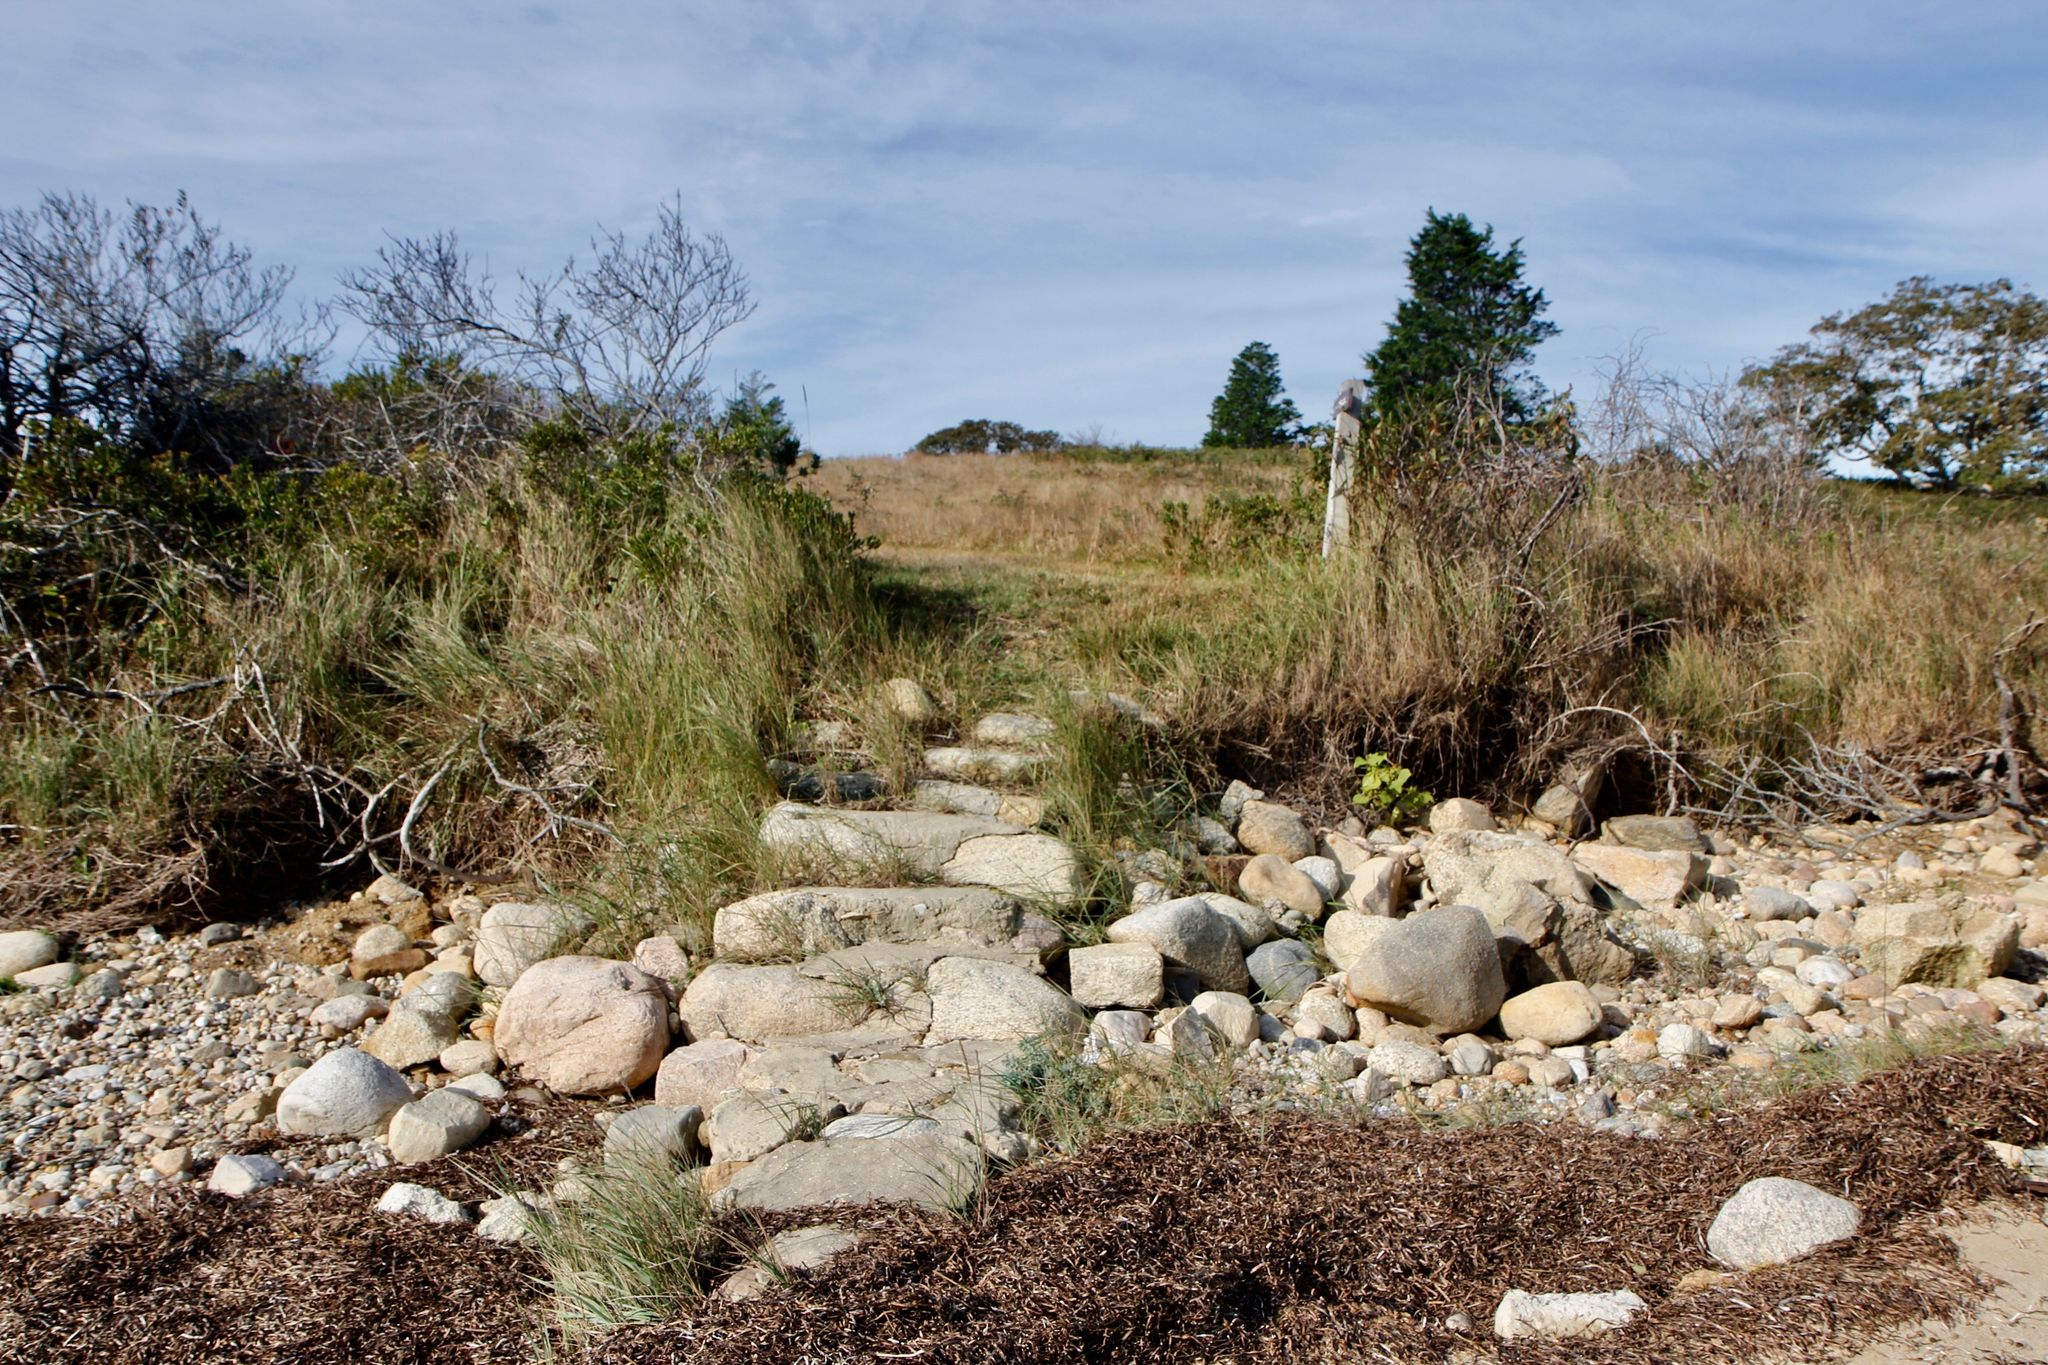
(1191, 933)
(1522, 1315)
(1283, 969)
(23, 950)
(1253, 925)
(974, 998)
(383, 950)
(417, 1201)
(512, 936)
(427, 1129)
(509, 1218)
(1439, 969)
(1656, 879)
(1654, 833)
(698, 1074)
(1232, 1017)
(1036, 867)
(347, 1013)
(1267, 880)
(929, 1171)
(800, 1249)
(236, 1176)
(1004, 727)
(469, 1057)
(659, 955)
(653, 1134)
(49, 976)
(1682, 1041)
(1410, 1063)
(749, 1124)
(878, 1127)
(346, 1093)
(1768, 903)
(754, 1004)
(1773, 1220)
(807, 921)
(408, 1038)
(1556, 1014)
(906, 699)
(1232, 803)
(229, 983)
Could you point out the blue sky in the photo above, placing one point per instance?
(1073, 215)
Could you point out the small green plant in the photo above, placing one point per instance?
(865, 991)
(1388, 790)
(641, 1246)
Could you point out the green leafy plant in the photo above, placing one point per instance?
(1387, 789)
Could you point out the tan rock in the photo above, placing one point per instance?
(1556, 1014)
(584, 1025)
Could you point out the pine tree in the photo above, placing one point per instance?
(1253, 411)
(1469, 323)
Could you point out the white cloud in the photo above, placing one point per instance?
(1073, 214)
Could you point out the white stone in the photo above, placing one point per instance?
(23, 950)
(236, 1176)
(417, 1201)
(345, 1093)
(1772, 1220)
(445, 1121)
(1564, 1315)
(1232, 1016)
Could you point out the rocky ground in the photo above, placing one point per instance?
(874, 1031)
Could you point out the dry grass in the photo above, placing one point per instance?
(1031, 509)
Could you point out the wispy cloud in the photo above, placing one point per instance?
(1073, 214)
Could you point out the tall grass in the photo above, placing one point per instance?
(580, 690)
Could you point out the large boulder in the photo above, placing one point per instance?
(512, 936)
(1190, 932)
(975, 998)
(757, 1003)
(1438, 969)
(1953, 943)
(347, 1093)
(1773, 1220)
(931, 1170)
(1657, 879)
(584, 1025)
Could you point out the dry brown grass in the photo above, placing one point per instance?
(1852, 617)
(1040, 509)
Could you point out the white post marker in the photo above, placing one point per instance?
(1349, 424)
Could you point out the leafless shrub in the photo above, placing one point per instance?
(617, 342)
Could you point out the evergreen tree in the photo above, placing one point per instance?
(1468, 323)
(1253, 411)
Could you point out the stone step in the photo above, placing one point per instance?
(806, 921)
(978, 764)
(960, 850)
(963, 798)
(879, 996)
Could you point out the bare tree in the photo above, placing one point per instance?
(147, 324)
(617, 343)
